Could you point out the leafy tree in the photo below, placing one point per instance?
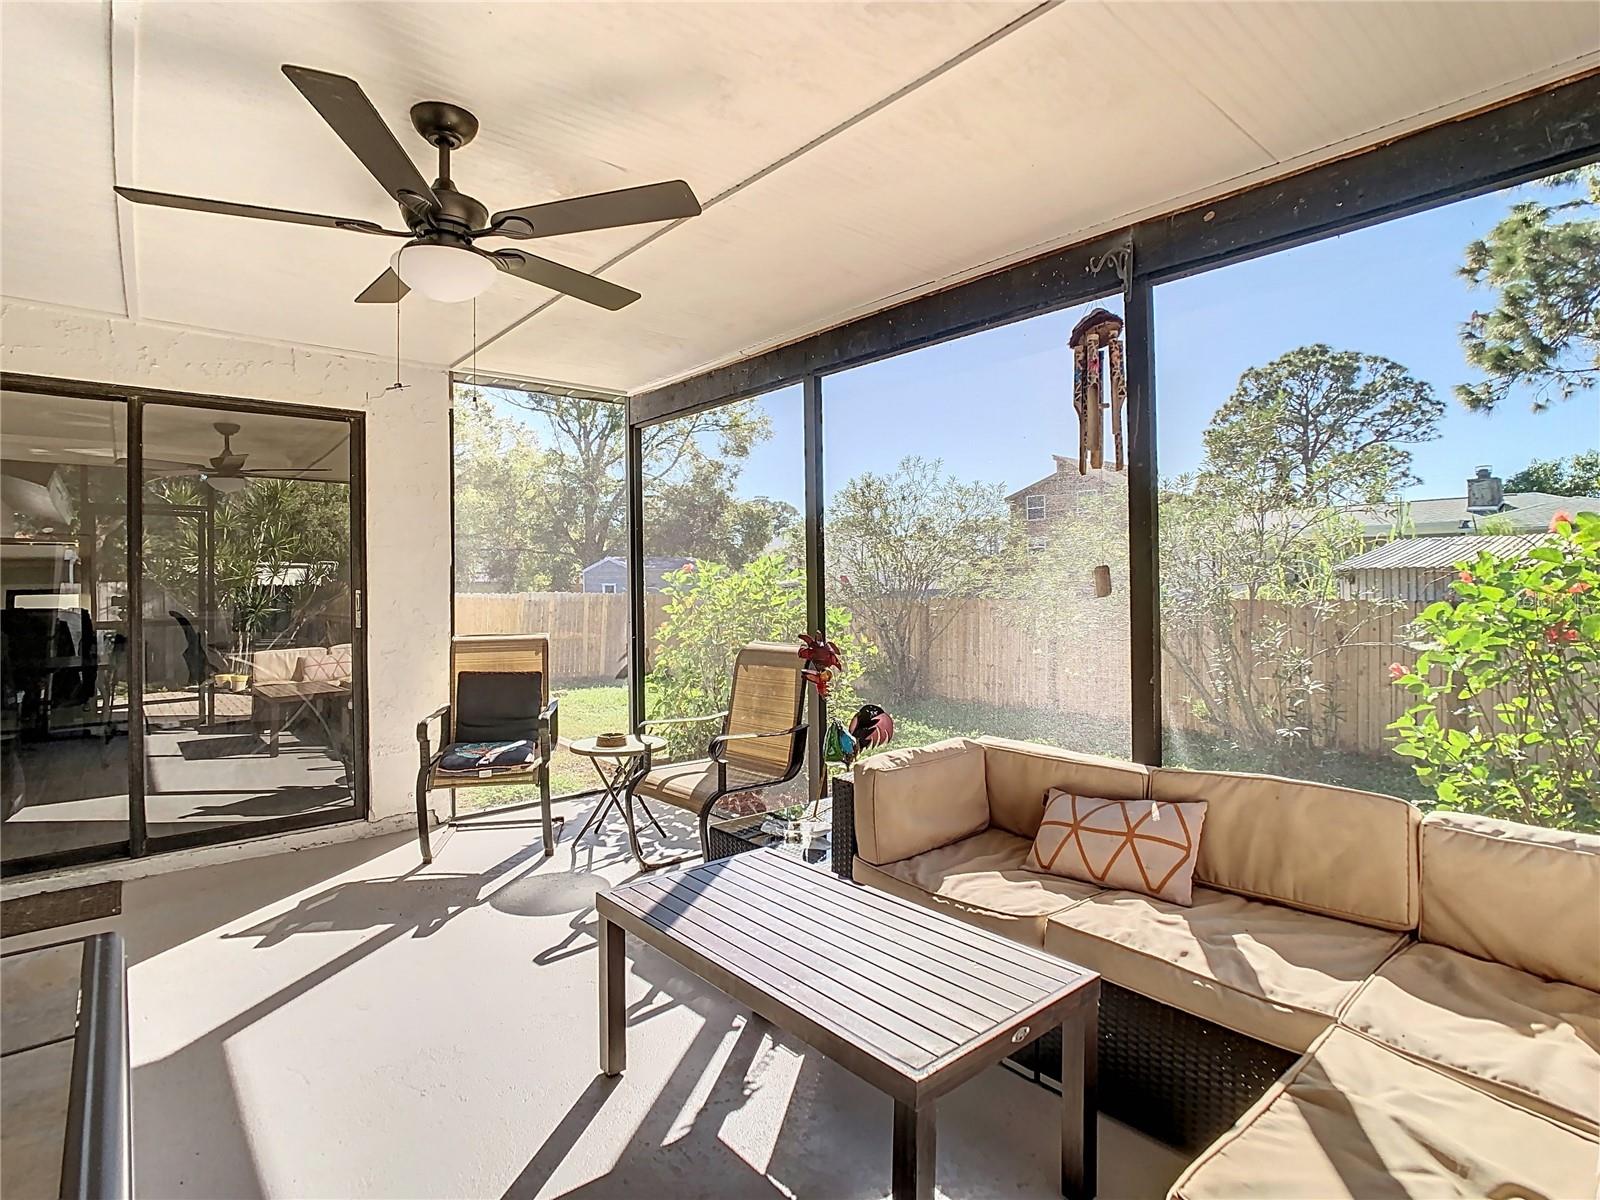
(501, 503)
(905, 549)
(1233, 567)
(562, 504)
(280, 556)
(1507, 720)
(1543, 262)
(711, 611)
(1575, 476)
(699, 517)
(1322, 426)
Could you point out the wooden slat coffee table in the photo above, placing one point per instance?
(912, 1001)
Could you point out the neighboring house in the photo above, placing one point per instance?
(1485, 503)
(1419, 570)
(1045, 503)
(610, 574)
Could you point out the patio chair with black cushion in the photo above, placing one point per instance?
(762, 743)
(498, 728)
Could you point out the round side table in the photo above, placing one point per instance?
(619, 768)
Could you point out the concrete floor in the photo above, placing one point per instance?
(341, 1022)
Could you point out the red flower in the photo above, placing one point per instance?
(1465, 576)
(1579, 588)
(1570, 635)
(1396, 671)
(1554, 633)
(1560, 518)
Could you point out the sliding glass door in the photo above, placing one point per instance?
(208, 687)
(249, 665)
(64, 765)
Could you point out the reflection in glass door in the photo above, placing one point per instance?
(248, 620)
(63, 630)
(206, 688)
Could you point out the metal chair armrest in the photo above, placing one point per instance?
(424, 749)
(549, 722)
(716, 716)
(719, 744)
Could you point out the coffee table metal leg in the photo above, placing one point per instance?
(914, 1151)
(1080, 1107)
(613, 1020)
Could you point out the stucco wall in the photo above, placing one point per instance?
(408, 482)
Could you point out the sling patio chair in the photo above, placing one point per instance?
(498, 714)
(762, 743)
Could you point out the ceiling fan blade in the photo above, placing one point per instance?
(577, 284)
(387, 288)
(281, 472)
(603, 210)
(229, 209)
(343, 105)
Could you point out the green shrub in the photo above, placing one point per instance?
(1514, 662)
(711, 611)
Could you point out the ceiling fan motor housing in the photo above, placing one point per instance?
(448, 127)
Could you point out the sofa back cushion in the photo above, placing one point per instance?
(1513, 894)
(1312, 846)
(1021, 774)
(278, 666)
(912, 801)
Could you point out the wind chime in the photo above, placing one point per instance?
(1098, 385)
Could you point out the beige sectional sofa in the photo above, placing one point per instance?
(1430, 986)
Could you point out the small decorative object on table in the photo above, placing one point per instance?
(611, 741)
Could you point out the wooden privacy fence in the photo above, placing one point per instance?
(588, 630)
(1350, 646)
(1014, 653)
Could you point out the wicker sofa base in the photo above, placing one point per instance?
(1167, 1073)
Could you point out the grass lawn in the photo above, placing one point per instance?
(602, 706)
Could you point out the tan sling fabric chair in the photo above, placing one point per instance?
(499, 692)
(762, 743)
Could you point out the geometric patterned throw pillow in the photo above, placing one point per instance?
(320, 666)
(1136, 845)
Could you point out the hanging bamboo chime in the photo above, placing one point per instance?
(1098, 385)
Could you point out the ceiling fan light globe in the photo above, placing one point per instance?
(227, 484)
(448, 274)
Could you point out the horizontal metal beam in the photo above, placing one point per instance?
(1054, 281)
(1523, 139)
(1526, 139)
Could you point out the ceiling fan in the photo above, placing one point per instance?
(440, 259)
(226, 472)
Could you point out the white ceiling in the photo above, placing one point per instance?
(848, 155)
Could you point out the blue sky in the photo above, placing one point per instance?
(996, 405)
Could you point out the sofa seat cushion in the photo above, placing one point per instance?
(981, 879)
(1269, 972)
(1352, 1119)
(1534, 1042)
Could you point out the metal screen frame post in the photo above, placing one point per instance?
(816, 582)
(1144, 535)
(633, 479)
